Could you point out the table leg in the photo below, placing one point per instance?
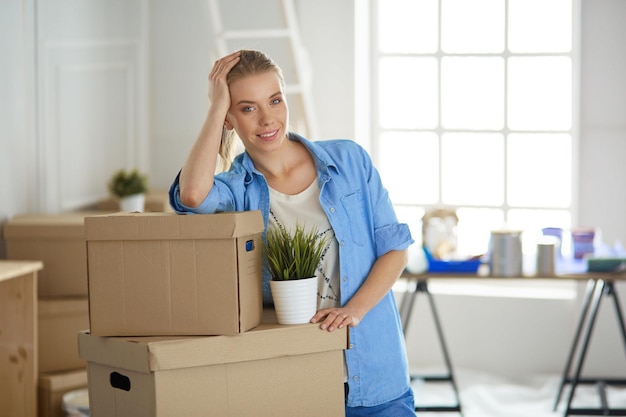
(406, 310)
(602, 289)
(618, 310)
(581, 321)
(444, 348)
(597, 296)
(406, 307)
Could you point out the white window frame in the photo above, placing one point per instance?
(368, 131)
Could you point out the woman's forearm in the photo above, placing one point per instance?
(385, 272)
(196, 177)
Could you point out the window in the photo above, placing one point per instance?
(471, 106)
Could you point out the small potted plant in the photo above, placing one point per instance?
(130, 187)
(292, 261)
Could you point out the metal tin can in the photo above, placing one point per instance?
(505, 253)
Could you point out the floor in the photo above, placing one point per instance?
(484, 395)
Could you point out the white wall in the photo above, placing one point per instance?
(91, 97)
(75, 77)
(170, 63)
(18, 167)
(602, 192)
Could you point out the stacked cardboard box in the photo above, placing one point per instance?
(60, 319)
(58, 240)
(156, 201)
(154, 274)
(52, 387)
(176, 324)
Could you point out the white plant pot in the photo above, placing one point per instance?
(132, 203)
(295, 301)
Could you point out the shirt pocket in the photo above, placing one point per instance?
(355, 207)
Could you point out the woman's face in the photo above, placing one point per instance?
(258, 111)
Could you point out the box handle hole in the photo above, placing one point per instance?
(120, 381)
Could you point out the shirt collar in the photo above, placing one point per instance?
(323, 161)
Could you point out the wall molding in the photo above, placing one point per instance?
(63, 66)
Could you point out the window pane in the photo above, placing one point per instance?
(472, 26)
(540, 25)
(474, 229)
(538, 219)
(539, 170)
(540, 93)
(472, 95)
(473, 169)
(408, 93)
(473, 108)
(408, 26)
(409, 163)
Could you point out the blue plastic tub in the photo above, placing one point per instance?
(469, 266)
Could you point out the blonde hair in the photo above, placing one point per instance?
(250, 63)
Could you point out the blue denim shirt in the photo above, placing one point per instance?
(366, 227)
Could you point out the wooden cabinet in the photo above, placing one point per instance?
(18, 338)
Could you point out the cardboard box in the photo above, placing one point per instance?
(60, 320)
(59, 241)
(156, 201)
(160, 274)
(273, 370)
(18, 338)
(52, 386)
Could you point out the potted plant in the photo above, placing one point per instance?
(130, 187)
(292, 261)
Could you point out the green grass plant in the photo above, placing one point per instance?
(293, 256)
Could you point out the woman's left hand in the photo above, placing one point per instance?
(335, 318)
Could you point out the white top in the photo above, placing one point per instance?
(304, 208)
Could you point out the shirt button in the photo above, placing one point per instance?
(332, 209)
(345, 279)
(351, 345)
(356, 378)
(341, 243)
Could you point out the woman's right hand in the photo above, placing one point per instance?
(218, 87)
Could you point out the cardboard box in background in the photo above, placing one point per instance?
(156, 201)
(270, 371)
(60, 320)
(154, 274)
(52, 386)
(59, 241)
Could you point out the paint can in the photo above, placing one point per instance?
(505, 253)
(546, 256)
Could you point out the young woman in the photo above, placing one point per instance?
(331, 185)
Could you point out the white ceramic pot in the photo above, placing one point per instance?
(133, 203)
(295, 301)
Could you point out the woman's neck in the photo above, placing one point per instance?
(290, 170)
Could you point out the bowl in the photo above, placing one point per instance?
(606, 264)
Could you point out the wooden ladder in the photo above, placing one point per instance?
(298, 83)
